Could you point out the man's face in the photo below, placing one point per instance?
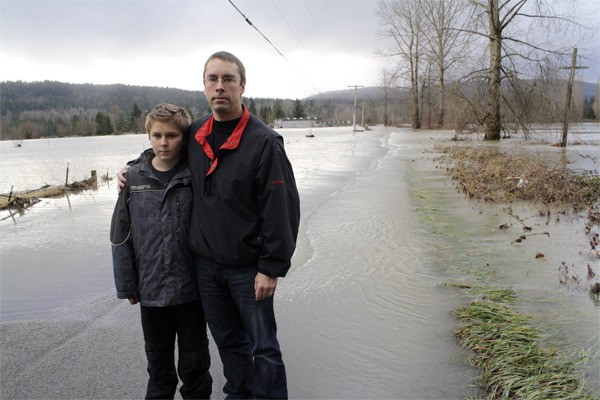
(223, 89)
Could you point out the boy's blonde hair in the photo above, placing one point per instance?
(169, 113)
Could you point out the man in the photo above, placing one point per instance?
(243, 230)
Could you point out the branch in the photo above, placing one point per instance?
(552, 17)
(512, 14)
(485, 35)
(511, 39)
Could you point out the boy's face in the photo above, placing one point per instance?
(166, 140)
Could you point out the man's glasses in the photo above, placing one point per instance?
(227, 81)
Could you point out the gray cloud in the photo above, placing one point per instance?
(121, 41)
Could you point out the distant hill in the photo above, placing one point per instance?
(51, 109)
(367, 93)
(591, 90)
(47, 95)
(55, 109)
(377, 93)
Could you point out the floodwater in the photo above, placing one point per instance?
(365, 311)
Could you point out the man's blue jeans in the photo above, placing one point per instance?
(244, 330)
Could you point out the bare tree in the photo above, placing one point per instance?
(402, 21)
(388, 81)
(520, 34)
(449, 24)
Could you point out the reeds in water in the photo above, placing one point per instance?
(507, 351)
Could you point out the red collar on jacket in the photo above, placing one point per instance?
(231, 143)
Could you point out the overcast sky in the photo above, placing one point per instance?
(327, 45)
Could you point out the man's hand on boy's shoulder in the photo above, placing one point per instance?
(121, 178)
(133, 300)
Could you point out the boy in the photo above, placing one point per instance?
(152, 263)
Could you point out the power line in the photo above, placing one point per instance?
(261, 34)
(316, 24)
(333, 24)
(276, 49)
(294, 28)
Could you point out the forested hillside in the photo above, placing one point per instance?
(51, 109)
(56, 109)
(48, 109)
(18, 97)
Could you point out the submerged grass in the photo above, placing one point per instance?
(499, 176)
(508, 353)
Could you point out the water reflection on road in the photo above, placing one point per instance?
(364, 317)
(364, 312)
(367, 315)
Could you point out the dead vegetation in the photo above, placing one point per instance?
(495, 176)
(498, 176)
(20, 201)
(507, 347)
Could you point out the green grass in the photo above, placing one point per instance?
(507, 351)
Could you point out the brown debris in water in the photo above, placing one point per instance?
(492, 175)
(22, 200)
(495, 176)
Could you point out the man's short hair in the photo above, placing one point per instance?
(169, 113)
(225, 56)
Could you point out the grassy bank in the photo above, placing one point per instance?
(515, 357)
(506, 349)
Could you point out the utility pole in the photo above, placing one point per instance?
(573, 67)
(354, 115)
(362, 118)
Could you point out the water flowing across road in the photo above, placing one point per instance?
(364, 312)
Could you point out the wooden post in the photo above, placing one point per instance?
(95, 178)
(354, 114)
(573, 67)
(67, 177)
(362, 113)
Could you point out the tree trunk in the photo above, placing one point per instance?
(416, 117)
(386, 118)
(441, 100)
(492, 120)
(441, 64)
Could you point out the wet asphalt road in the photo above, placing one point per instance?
(100, 357)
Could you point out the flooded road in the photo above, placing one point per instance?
(365, 311)
(364, 316)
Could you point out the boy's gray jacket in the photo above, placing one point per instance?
(149, 236)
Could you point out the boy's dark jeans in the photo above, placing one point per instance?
(244, 330)
(161, 325)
